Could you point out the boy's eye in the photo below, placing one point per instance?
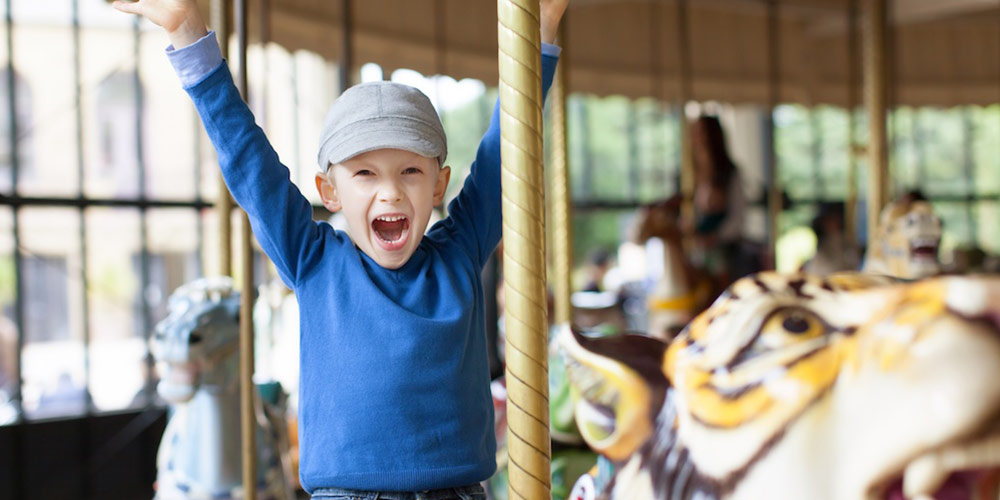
(411, 170)
(363, 173)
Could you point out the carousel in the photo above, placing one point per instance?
(865, 373)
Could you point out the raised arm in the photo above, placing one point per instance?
(551, 14)
(281, 217)
(474, 215)
(179, 18)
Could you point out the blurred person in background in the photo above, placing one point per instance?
(832, 251)
(719, 205)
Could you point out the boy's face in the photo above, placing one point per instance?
(387, 196)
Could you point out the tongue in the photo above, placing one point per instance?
(389, 231)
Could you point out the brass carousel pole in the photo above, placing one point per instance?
(562, 203)
(684, 73)
(346, 46)
(875, 101)
(851, 205)
(774, 198)
(247, 388)
(524, 249)
(220, 23)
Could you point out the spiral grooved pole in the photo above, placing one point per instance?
(224, 203)
(560, 203)
(524, 250)
(248, 391)
(876, 89)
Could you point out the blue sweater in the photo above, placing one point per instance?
(394, 383)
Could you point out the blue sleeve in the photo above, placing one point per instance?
(280, 216)
(196, 61)
(474, 215)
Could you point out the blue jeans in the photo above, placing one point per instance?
(471, 492)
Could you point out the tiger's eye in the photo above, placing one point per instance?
(795, 324)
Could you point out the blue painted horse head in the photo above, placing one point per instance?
(195, 347)
(199, 335)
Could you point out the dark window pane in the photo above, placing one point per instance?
(117, 348)
(658, 150)
(168, 127)
(944, 145)
(795, 161)
(8, 324)
(464, 126)
(53, 351)
(607, 122)
(173, 242)
(107, 59)
(598, 147)
(210, 254)
(956, 227)
(22, 117)
(114, 171)
(599, 230)
(834, 154)
(986, 149)
(50, 132)
(988, 229)
(906, 152)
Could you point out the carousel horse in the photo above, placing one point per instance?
(195, 347)
(909, 234)
(680, 291)
(792, 387)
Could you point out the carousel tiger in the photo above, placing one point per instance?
(792, 387)
(908, 237)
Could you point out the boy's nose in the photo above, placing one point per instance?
(390, 192)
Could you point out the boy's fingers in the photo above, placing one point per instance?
(128, 7)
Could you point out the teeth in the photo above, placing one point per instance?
(391, 218)
(591, 386)
(928, 472)
(590, 414)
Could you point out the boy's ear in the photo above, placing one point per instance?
(328, 192)
(442, 184)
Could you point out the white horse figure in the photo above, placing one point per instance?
(680, 291)
(195, 347)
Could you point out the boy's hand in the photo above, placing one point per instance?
(551, 13)
(180, 18)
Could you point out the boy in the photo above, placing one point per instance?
(394, 383)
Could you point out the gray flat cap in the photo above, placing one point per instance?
(381, 115)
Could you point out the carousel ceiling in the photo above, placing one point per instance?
(945, 52)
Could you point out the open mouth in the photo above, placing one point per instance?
(178, 381)
(924, 248)
(391, 230)
(595, 408)
(969, 470)
(599, 419)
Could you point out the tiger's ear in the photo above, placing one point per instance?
(618, 389)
